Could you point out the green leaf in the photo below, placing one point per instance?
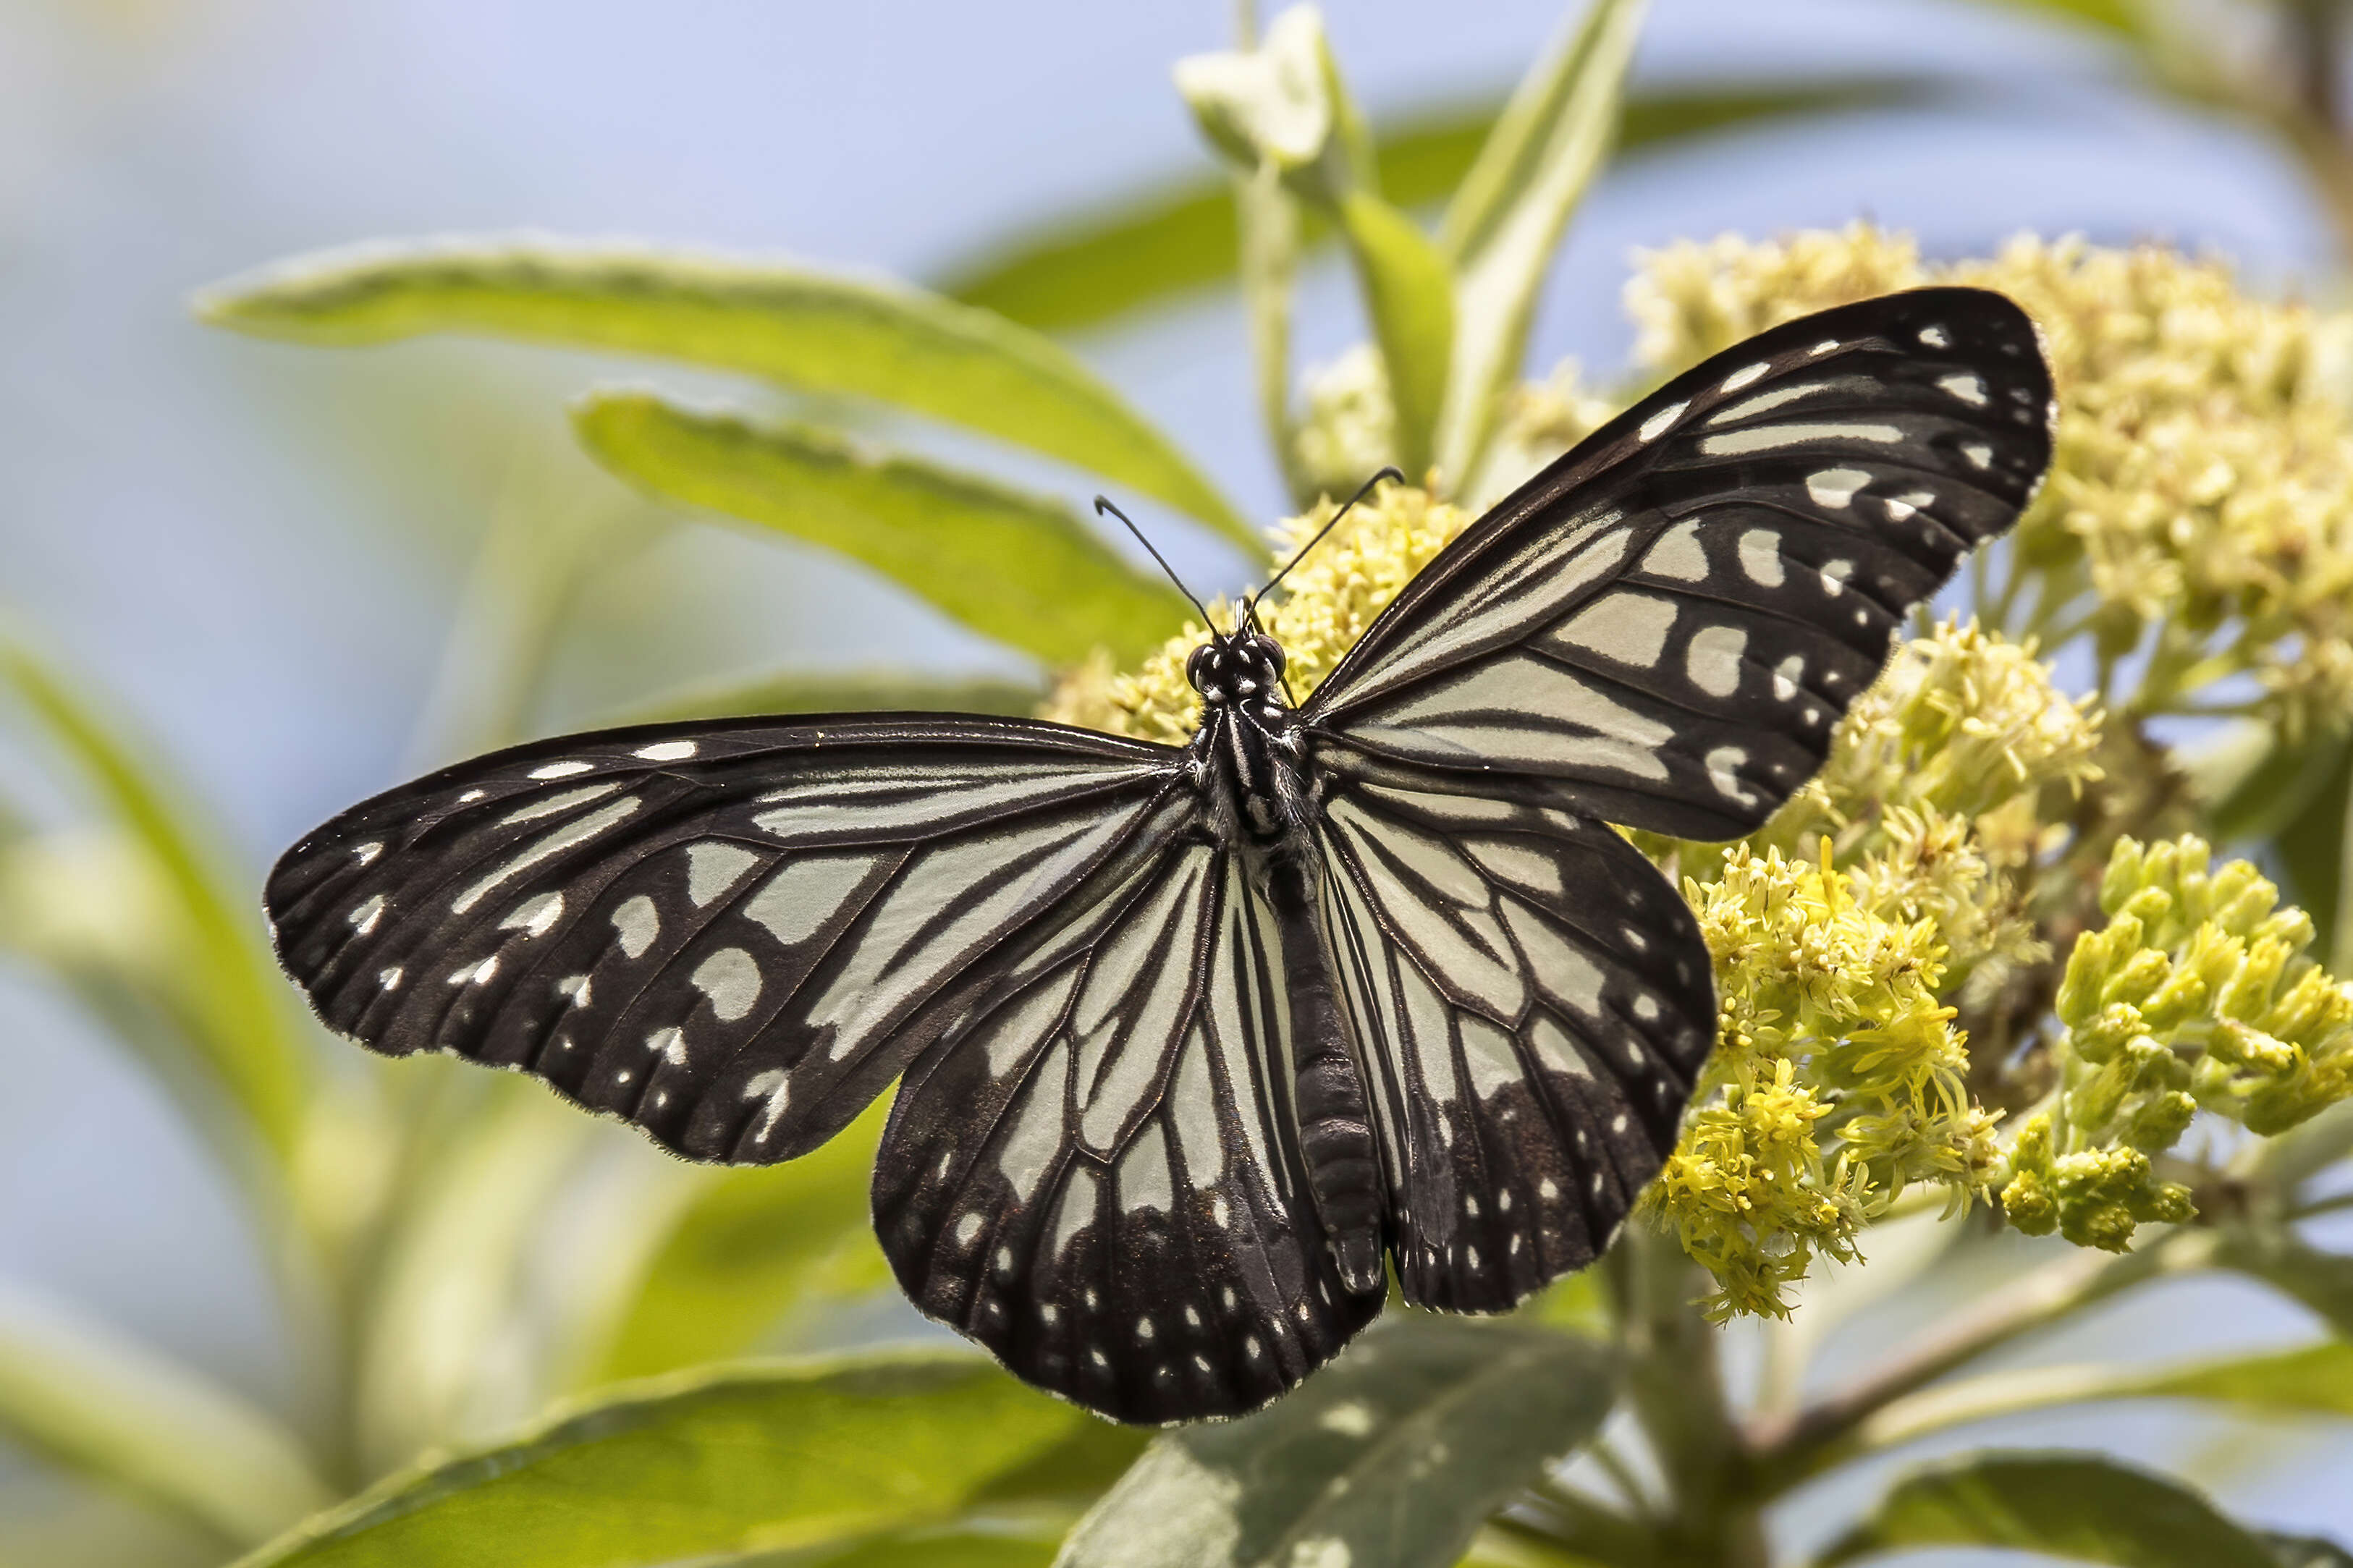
(849, 692)
(750, 1246)
(1391, 1457)
(1015, 1542)
(1020, 568)
(96, 1403)
(2311, 842)
(1409, 300)
(792, 1455)
(1507, 220)
(1091, 267)
(802, 329)
(2123, 18)
(2076, 1506)
(228, 988)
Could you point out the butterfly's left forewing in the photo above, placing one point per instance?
(1096, 1173)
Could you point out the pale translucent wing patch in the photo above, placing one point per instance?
(734, 935)
(1532, 1004)
(1671, 618)
(1095, 1174)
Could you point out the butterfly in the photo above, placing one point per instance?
(1196, 1044)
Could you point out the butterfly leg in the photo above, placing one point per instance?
(1335, 1131)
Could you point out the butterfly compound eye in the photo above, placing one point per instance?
(1268, 650)
(1196, 666)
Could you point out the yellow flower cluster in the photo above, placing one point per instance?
(1833, 983)
(2198, 995)
(2200, 505)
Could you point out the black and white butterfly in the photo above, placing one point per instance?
(1196, 1044)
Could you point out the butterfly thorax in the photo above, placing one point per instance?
(1246, 755)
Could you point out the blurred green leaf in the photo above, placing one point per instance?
(1409, 300)
(2275, 1255)
(799, 328)
(2123, 18)
(1087, 268)
(2311, 842)
(2251, 782)
(851, 691)
(1024, 1541)
(750, 1246)
(1505, 221)
(1020, 568)
(99, 1404)
(240, 1008)
(2076, 1506)
(793, 1455)
(438, 1359)
(2304, 1551)
(1392, 1455)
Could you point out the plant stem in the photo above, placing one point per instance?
(1793, 1447)
(1675, 1384)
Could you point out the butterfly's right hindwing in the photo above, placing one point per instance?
(732, 934)
(1096, 1173)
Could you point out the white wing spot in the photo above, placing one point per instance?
(1760, 557)
(1712, 659)
(712, 866)
(1192, 1317)
(1813, 714)
(388, 978)
(1820, 348)
(1721, 765)
(968, 1229)
(1934, 338)
(535, 916)
(1202, 1363)
(1630, 628)
(731, 979)
(1005, 1260)
(1218, 1214)
(1970, 389)
(668, 751)
(562, 801)
(1100, 1359)
(365, 917)
(560, 769)
(621, 1076)
(472, 795)
(1091, 1300)
(367, 853)
(1834, 576)
(1251, 1348)
(475, 974)
(1546, 1191)
(1227, 1296)
(1978, 454)
(662, 1098)
(1143, 1328)
(669, 1044)
(1470, 1205)
(1049, 1314)
(1747, 375)
(638, 923)
(1503, 1201)
(1646, 1009)
(1836, 487)
(574, 988)
(1677, 555)
(1597, 1183)
(778, 1086)
(1656, 425)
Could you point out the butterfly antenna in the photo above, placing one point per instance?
(1105, 508)
(1366, 489)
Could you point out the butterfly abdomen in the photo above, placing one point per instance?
(1336, 1131)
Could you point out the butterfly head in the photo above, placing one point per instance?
(1242, 668)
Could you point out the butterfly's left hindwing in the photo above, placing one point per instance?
(1095, 1173)
(732, 934)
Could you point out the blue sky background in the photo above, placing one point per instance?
(256, 550)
